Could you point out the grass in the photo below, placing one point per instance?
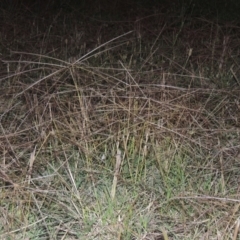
(118, 130)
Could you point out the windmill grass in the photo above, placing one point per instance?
(127, 132)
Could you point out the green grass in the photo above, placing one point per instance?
(125, 131)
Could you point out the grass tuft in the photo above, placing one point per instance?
(118, 130)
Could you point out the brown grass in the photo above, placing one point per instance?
(78, 98)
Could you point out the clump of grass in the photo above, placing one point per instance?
(133, 138)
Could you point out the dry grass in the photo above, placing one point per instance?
(119, 131)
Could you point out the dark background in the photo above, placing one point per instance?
(214, 9)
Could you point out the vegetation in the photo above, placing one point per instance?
(118, 129)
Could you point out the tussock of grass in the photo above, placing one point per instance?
(134, 137)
